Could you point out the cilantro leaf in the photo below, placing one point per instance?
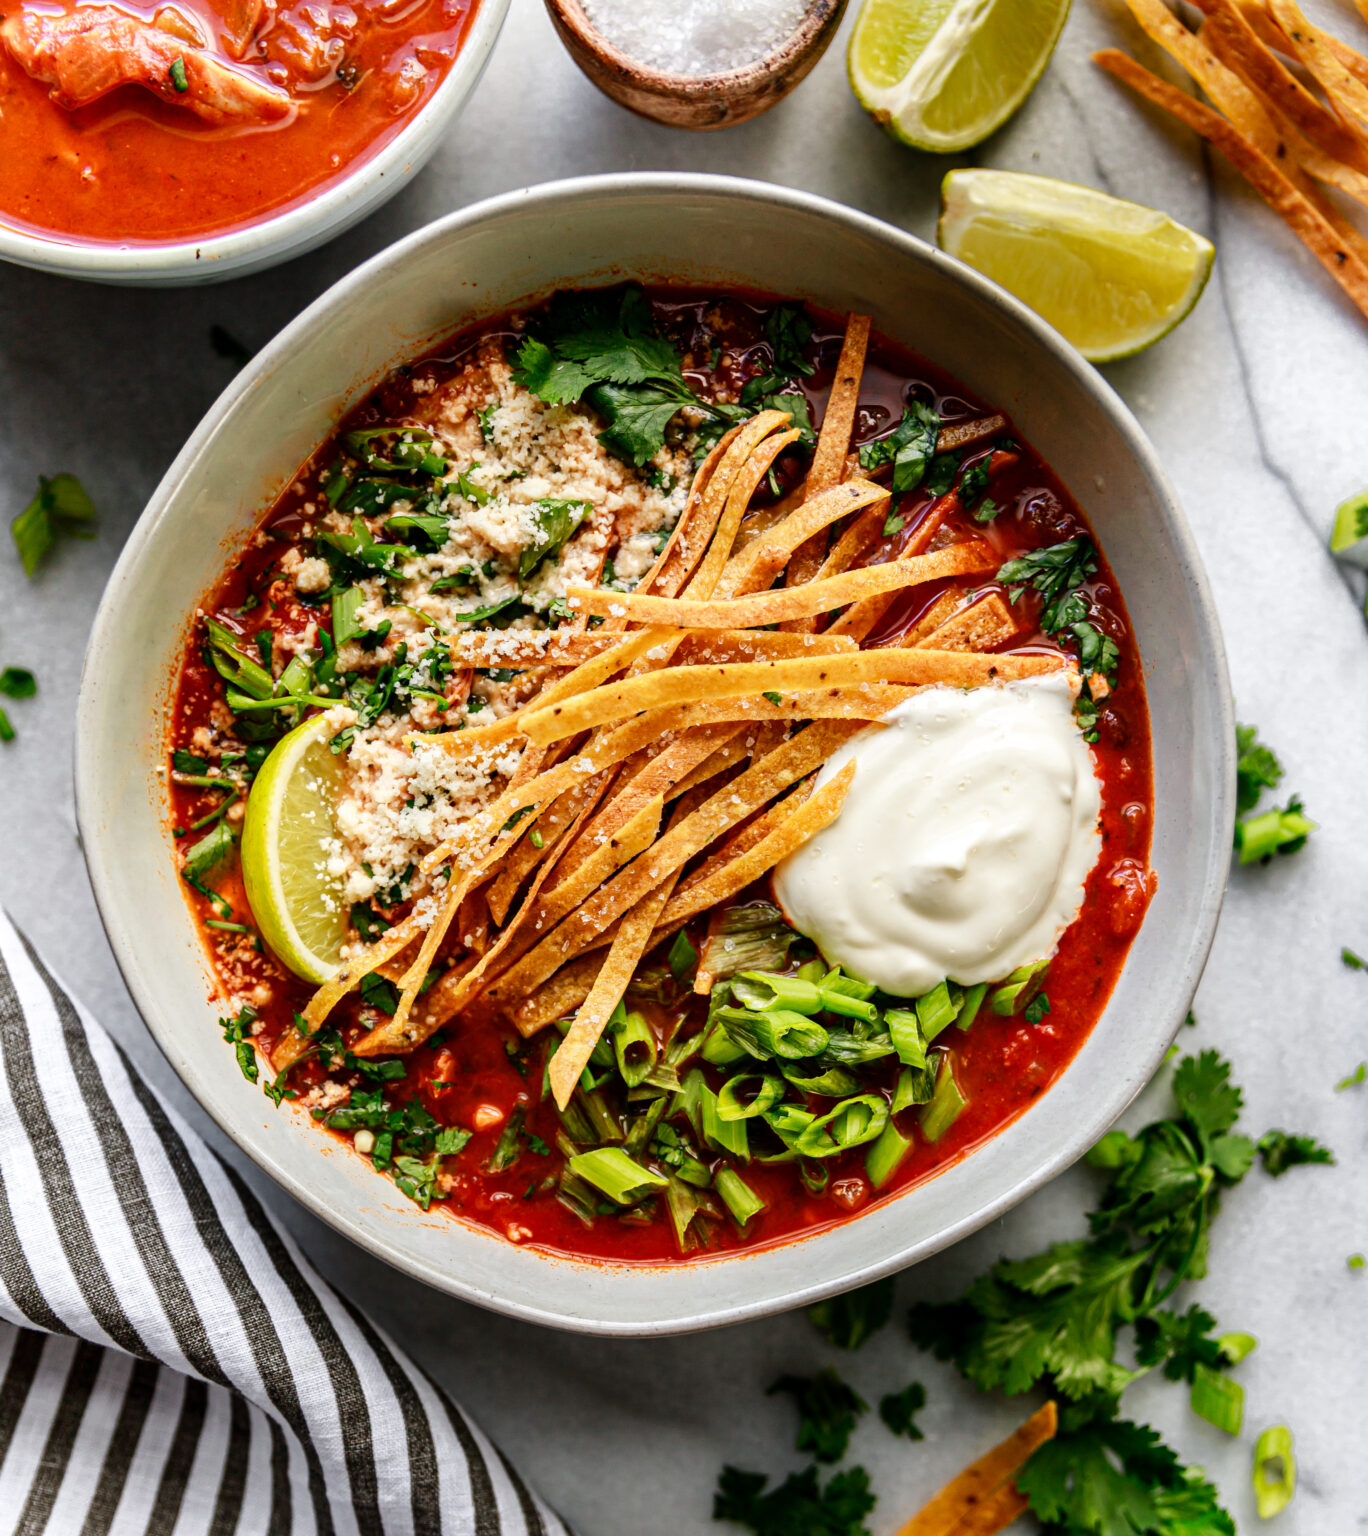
(1056, 573)
(1110, 1477)
(557, 380)
(637, 418)
(847, 1321)
(18, 683)
(1281, 1151)
(556, 520)
(799, 1506)
(1180, 1343)
(909, 447)
(1256, 769)
(61, 509)
(1205, 1094)
(827, 1410)
(898, 1410)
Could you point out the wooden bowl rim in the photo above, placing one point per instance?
(734, 82)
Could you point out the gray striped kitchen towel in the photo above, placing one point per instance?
(170, 1364)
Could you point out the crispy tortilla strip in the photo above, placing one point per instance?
(741, 748)
(694, 532)
(557, 820)
(730, 806)
(968, 559)
(703, 583)
(603, 860)
(558, 997)
(818, 810)
(985, 623)
(859, 701)
(940, 612)
(754, 644)
(833, 444)
(371, 958)
(864, 616)
(743, 679)
(630, 943)
(670, 557)
(1298, 211)
(960, 434)
(754, 832)
(761, 561)
(589, 674)
(859, 536)
(978, 1482)
(1314, 48)
(1238, 46)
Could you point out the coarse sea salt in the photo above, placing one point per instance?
(696, 37)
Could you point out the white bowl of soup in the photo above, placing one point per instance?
(448, 386)
(216, 137)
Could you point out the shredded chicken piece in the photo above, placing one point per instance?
(93, 50)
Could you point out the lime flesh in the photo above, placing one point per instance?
(944, 74)
(288, 839)
(1111, 276)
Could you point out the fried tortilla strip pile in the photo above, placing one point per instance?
(1273, 127)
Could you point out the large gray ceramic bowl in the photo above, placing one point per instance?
(513, 251)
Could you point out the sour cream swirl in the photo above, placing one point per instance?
(963, 846)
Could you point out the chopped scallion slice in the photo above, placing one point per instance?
(759, 990)
(886, 1155)
(1217, 1398)
(1275, 1471)
(635, 1047)
(617, 1175)
(970, 1004)
(946, 1105)
(905, 1032)
(748, 1095)
(1018, 988)
(852, 1123)
(741, 1200)
(936, 1010)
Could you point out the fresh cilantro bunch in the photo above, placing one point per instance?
(603, 348)
(1055, 1320)
(1281, 830)
(800, 1506)
(788, 332)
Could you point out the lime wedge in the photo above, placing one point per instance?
(288, 837)
(943, 74)
(1112, 276)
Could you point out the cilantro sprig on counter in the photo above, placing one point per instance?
(603, 348)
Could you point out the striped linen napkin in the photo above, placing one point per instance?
(169, 1360)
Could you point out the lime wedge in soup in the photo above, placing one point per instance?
(288, 841)
(944, 74)
(1113, 277)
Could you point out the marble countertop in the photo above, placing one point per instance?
(1257, 405)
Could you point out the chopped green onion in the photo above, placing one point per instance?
(852, 1123)
(1217, 1398)
(1275, 1471)
(741, 1200)
(612, 1171)
(635, 1046)
(759, 990)
(777, 1032)
(1349, 537)
(905, 1032)
(732, 1100)
(1018, 988)
(719, 1049)
(936, 1010)
(886, 1155)
(345, 606)
(683, 958)
(1235, 1346)
(1276, 831)
(915, 1085)
(834, 1083)
(685, 1205)
(726, 1135)
(970, 1004)
(811, 970)
(505, 1153)
(180, 81)
(749, 938)
(946, 1105)
(848, 996)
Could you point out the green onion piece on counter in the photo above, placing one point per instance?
(748, 1095)
(726, 1135)
(741, 1200)
(905, 1032)
(758, 991)
(936, 1010)
(1235, 1346)
(612, 1171)
(1349, 537)
(1018, 988)
(1276, 831)
(970, 1004)
(1275, 1471)
(852, 1123)
(505, 1152)
(946, 1105)
(1218, 1399)
(778, 1032)
(886, 1155)
(719, 1049)
(635, 1047)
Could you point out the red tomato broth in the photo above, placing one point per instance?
(131, 169)
(1003, 1065)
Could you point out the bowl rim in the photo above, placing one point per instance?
(290, 231)
(1205, 907)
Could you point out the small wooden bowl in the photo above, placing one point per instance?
(696, 101)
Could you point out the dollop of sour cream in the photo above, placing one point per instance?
(963, 845)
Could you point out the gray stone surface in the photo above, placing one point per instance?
(1257, 406)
